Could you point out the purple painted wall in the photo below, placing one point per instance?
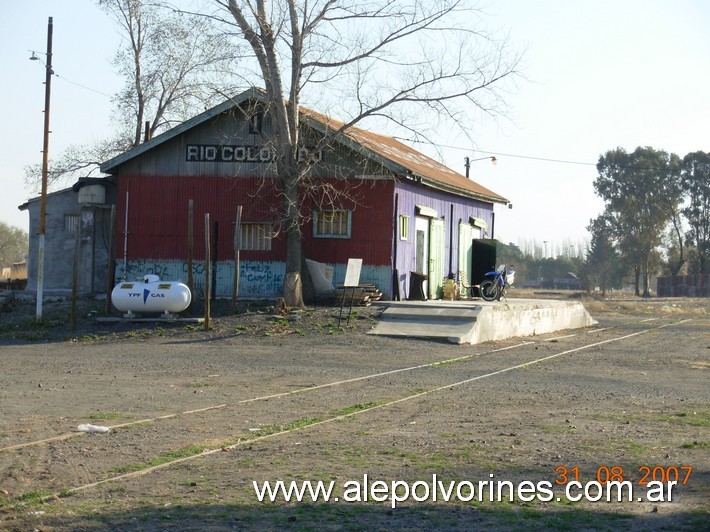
(410, 195)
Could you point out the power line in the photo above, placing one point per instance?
(545, 159)
(35, 57)
(83, 86)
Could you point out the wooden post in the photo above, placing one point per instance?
(237, 245)
(207, 272)
(75, 273)
(215, 256)
(45, 165)
(111, 269)
(190, 251)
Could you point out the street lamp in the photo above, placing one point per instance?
(45, 165)
(468, 161)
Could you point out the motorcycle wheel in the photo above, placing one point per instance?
(489, 290)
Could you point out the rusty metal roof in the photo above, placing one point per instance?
(408, 162)
(403, 160)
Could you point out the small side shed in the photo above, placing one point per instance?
(81, 213)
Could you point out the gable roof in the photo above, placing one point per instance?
(398, 157)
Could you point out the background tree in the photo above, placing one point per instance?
(387, 59)
(640, 198)
(173, 64)
(696, 184)
(13, 245)
(602, 266)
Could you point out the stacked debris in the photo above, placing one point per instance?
(361, 295)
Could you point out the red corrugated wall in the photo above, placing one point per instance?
(371, 229)
(158, 219)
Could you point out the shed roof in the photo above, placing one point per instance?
(398, 157)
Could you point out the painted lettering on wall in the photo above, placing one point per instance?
(221, 153)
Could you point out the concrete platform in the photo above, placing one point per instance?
(475, 321)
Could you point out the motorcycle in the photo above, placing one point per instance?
(497, 282)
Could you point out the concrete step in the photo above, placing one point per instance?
(479, 321)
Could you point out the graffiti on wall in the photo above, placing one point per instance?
(255, 278)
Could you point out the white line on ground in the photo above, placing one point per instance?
(209, 452)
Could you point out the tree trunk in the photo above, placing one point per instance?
(681, 260)
(637, 280)
(646, 292)
(292, 291)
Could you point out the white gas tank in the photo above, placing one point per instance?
(151, 295)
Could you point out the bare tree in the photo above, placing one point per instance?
(413, 62)
(172, 64)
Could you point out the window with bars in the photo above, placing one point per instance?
(256, 236)
(403, 227)
(71, 223)
(332, 224)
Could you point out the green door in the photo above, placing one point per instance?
(436, 258)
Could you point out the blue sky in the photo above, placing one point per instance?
(599, 75)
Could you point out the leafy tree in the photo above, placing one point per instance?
(642, 194)
(602, 265)
(528, 266)
(512, 254)
(384, 59)
(14, 244)
(172, 64)
(696, 184)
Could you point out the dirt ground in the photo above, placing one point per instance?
(198, 416)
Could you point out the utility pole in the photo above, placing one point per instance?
(45, 165)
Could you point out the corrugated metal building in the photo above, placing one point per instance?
(403, 212)
(76, 216)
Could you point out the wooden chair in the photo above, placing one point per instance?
(468, 289)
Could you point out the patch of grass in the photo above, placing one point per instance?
(356, 408)
(163, 458)
(293, 425)
(696, 445)
(105, 415)
(35, 496)
(696, 418)
(7, 327)
(693, 419)
(634, 449)
(88, 338)
(199, 385)
(559, 429)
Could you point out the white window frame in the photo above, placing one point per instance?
(403, 227)
(255, 236)
(329, 229)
